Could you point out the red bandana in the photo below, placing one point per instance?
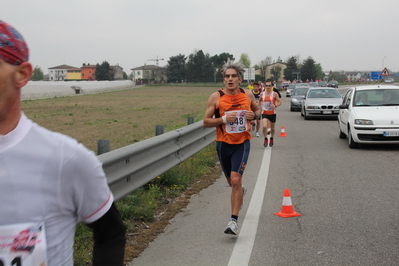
(13, 48)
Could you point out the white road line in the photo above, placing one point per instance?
(246, 238)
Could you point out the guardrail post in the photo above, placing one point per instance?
(190, 120)
(103, 146)
(159, 130)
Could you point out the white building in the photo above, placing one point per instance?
(150, 73)
(58, 72)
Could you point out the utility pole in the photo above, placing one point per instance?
(156, 60)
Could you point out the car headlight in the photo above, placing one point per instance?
(312, 107)
(294, 100)
(336, 107)
(363, 122)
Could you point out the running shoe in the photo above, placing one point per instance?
(266, 142)
(257, 134)
(271, 142)
(232, 227)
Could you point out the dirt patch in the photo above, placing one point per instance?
(141, 234)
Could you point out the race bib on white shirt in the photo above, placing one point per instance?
(23, 245)
(267, 106)
(239, 125)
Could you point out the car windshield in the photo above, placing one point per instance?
(377, 97)
(301, 91)
(324, 93)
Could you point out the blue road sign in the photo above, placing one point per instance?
(375, 75)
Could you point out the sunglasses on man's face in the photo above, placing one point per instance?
(226, 76)
(268, 85)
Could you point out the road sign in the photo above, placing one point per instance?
(249, 74)
(375, 75)
(385, 72)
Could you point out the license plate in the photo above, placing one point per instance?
(327, 112)
(390, 133)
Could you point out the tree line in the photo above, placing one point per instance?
(201, 67)
(197, 67)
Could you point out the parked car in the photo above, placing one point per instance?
(322, 84)
(297, 97)
(332, 84)
(389, 81)
(292, 86)
(321, 102)
(370, 115)
(289, 90)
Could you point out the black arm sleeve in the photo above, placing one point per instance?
(109, 233)
(276, 90)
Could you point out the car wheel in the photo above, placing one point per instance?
(292, 109)
(352, 144)
(301, 112)
(341, 134)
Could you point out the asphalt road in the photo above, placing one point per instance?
(347, 198)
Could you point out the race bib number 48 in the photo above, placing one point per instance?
(23, 245)
(239, 125)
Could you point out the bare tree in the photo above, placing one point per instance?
(275, 72)
(263, 66)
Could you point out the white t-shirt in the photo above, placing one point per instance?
(49, 178)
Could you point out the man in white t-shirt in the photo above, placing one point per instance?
(48, 181)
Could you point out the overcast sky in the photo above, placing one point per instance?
(339, 34)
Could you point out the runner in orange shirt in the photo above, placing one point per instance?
(269, 100)
(229, 110)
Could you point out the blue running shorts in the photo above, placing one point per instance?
(233, 157)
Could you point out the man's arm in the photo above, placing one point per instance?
(109, 233)
(278, 100)
(209, 120)
(254, 107)
(260, 102)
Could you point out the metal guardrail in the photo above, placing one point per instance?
(133, 166)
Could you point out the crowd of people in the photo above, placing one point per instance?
(268, 98)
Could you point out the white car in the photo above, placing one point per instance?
(389, 81)
(321, 102)
(370, 115)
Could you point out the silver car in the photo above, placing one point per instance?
(321, 102)
(297, 97)
(292, 87)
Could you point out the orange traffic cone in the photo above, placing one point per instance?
(282, 133)
(287, 210)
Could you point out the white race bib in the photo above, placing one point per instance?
(23, 245)
(267, 106)
(239, 125)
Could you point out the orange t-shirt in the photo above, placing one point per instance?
(238, 131)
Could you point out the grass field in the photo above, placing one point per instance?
(123, 117)
(126, 117)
